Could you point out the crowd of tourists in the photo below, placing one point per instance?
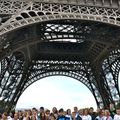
(61, 114)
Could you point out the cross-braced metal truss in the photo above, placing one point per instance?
(92, 41)
(12, 72)
(75, 38)
(111, 67)
(10, 77)
(34, 12)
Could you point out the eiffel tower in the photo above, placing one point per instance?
(75, 38)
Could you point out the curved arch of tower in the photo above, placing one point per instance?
(75, 38)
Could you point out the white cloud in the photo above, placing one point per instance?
(52, 91)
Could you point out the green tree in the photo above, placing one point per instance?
(118, 105)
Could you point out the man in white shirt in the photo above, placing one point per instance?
(117, 115)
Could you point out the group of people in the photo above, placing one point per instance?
(61, 114)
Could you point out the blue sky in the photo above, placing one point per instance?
(60, 91)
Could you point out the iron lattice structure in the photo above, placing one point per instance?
(75, 38)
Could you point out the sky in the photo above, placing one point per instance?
(59, 91)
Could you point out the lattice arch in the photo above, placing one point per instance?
(111, 68)
(74, 75)
(41, 12)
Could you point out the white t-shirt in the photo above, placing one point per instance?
(86, 117)
(116, 117)
(100, 118)
(109, 118)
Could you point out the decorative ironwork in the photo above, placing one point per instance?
(36, 12)
(75, 38)
(11, 73)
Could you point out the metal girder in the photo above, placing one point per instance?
(111, 67)
(26, 73)
(97, 42)
(101, 85)
(40, 11)
(11, 73)
(76, 70)
(14, 6)
(59, 37)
